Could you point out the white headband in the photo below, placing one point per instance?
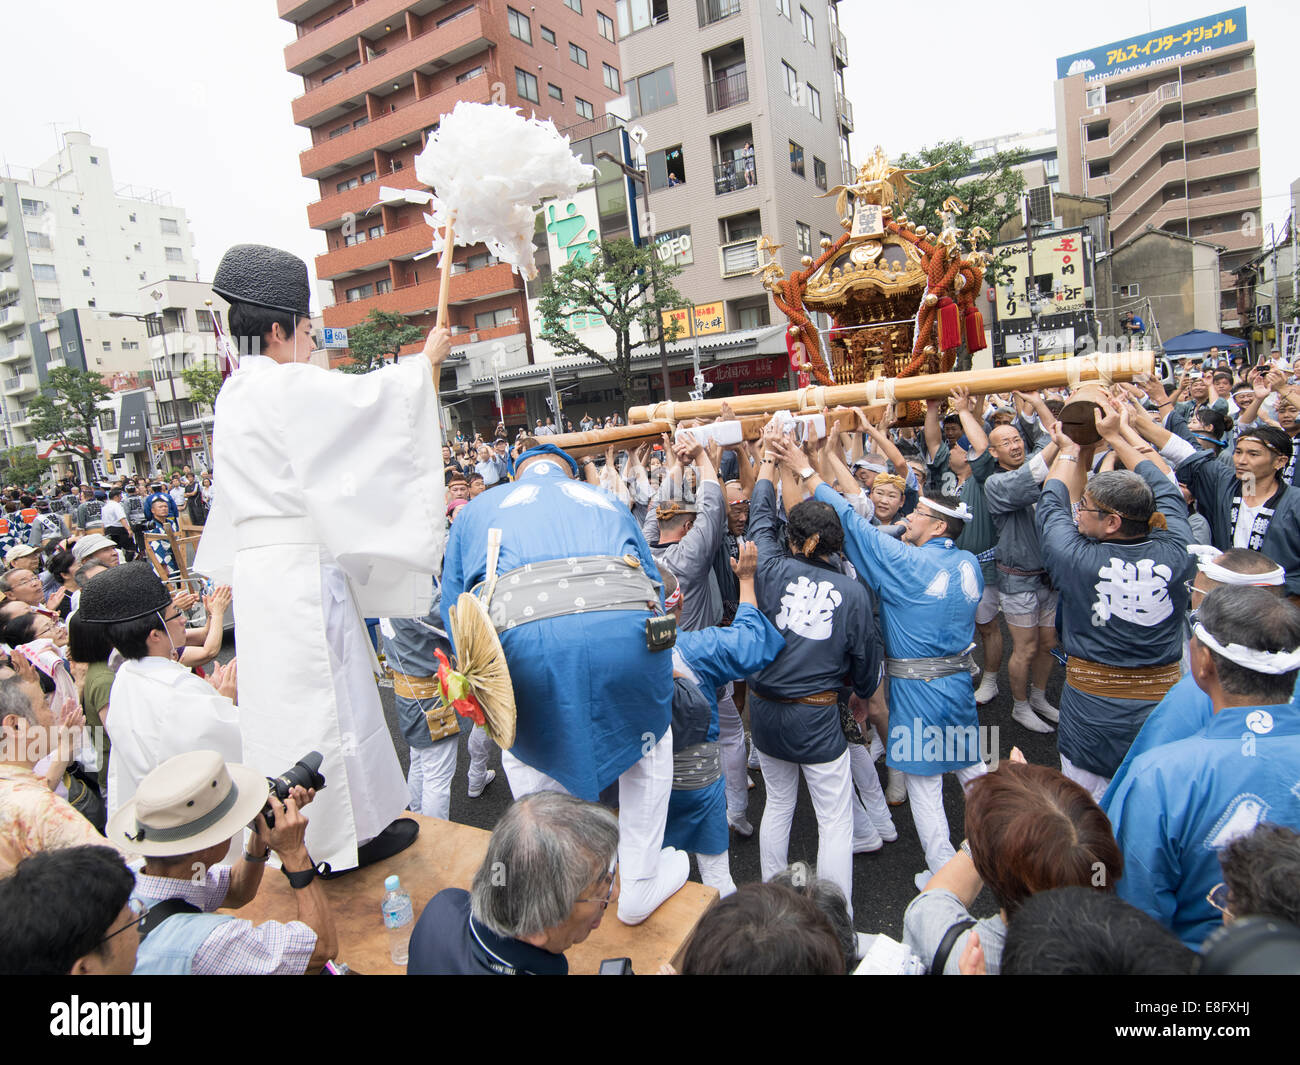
(1270, 578)
(961, 513)
(1274, 663)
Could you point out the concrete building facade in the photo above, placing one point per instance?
(1173, 144)
(378, 75)
(74, 245)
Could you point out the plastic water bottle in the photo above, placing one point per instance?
(398, 917)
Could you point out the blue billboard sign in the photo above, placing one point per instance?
(1157, 47)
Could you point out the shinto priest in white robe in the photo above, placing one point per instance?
(329, 507)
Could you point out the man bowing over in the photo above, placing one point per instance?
(306, 458)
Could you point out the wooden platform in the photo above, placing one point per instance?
(447, 855)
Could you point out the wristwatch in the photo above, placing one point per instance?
(806, 472)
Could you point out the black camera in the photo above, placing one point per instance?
(305, 772)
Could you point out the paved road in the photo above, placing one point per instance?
(883, 883)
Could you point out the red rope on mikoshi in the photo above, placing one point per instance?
(788, 297)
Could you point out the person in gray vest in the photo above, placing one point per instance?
(181, 820)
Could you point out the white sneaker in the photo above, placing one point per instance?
(888, 833)
(1023, 714)
(741, 826)
(753, 762)
(896, 789)
(875, 749)
(638, 899)
(869, 845)
(488, 777)
(1044, 709)
(922, 878)
(988, 689)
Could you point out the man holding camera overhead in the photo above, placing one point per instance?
(181, 820)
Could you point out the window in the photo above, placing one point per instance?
(107, 345)
(383, 286)
(473, 72)
(815, 102)
(76, 209)
(611, 78)
(43, 272)
(368, 177)
(362, 121)
(1129, 290)
(85, 271)
(81, 242)
(339, 131)
(374, 232)
(361, 292)
(94, 160)
(634, 15)
(343, 186)
(548, 35)
(827, 238)
(804, 238)
(39, 240)
(526, 85)
(1095, 97)
(492, 319)
(796, 159)
(173, 255)
(139, 247)
(70, 347)
(34, 208)
(819, 173)
(605, 24)
(132, 218)
(49, 306)
(554, 92)
(808, 26)
(674, 246)
(575, 5)
(169, 225)
(791, 80)
(519, 25)
(585, 110)
(667, 168)
(653, 91)
(349, 239)
(783, 6)
(755, 317)
(578, 55)
(130, 345)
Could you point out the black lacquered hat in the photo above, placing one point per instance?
(264, 277)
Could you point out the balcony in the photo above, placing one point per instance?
(8, 282)
(734, 177)
(366, 20)
(24, 382)
(840, 47)
(19, 416)
(1232, 203)
(15, 350)
(12, 315)
(297, 10)
(1217, 166)
(359, 200)
(387, 133)
(404, 243)
(4, 215)
(6, 249)
(429, 53)
(845, 111)
(726, 92)
(1199, 90)
(711, 11)
(739, 258)
(1212, 127)
(422, 297)
(1138, 117)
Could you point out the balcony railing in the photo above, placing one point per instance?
(711, 11)
(845, 109)
(1170, 91)
(726, 92)
(841, 47)
(734, 176)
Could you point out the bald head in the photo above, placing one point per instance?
(1007, 447)
(1237, 560)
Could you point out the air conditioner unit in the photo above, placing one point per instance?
(473, 338)
(1038, 206)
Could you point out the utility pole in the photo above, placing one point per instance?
(1031, 282)
(1277, 285)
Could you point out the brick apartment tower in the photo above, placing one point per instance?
(378, 75)
(1174, 147)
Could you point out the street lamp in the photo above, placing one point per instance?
(498, 364)
(644, 178)
(156, 326)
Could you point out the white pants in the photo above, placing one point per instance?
(429, 779)
(831, 786)
(480, 747)
(1093, 784)
(731, 744)
(926, 796)
(870, 811)
(643, 794)
(715, 871)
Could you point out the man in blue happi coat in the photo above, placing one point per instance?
(1181, 803)
(928, 594)
(576, 586)
(704, 661)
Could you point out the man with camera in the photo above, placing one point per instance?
(182, 820)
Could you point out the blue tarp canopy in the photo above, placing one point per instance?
(1199, 341)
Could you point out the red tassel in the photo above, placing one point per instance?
(975, 331)
(949, 325)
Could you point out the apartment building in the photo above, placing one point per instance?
(1166, 126)
(74, 245)
(746, 124)
(378, 75)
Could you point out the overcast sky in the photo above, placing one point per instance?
(193, 97)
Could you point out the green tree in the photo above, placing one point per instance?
(68, 412)
(22, 467)
(382, 333)
(616, 282)
(991, 196)
(204, 382)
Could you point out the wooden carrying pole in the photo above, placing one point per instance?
(444, 284)
(1059, 373)
(629, 437)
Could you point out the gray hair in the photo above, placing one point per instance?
(86, 571)
(829, 899)
(1259, 620)
(7, 578)
(15, 700)
(544, 853)
(1128, 494)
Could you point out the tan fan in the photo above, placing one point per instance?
(480, 657)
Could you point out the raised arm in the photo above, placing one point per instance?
(933, 430)
(964, 404)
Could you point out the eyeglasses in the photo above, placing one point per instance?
(1218, 898)
(139, 909)
(611, 876)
